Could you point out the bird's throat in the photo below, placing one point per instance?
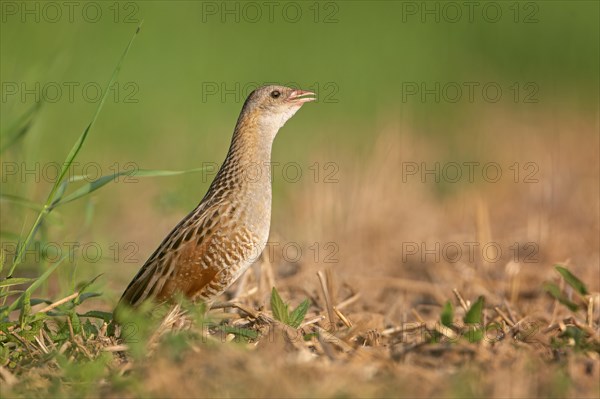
(247, 167)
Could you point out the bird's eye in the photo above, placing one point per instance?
(275, 93)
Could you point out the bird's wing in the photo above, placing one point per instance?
(176, 266)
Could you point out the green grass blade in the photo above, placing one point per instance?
(7, 293)
(35, 285)
(102, 181)
(88, 188)
(162, 173)
(14, 281)
(142, 173)
(79, 143)
(69, 160)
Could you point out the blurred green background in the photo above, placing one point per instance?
(357, 54)
(183, 83)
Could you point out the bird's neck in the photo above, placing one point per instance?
(251, 145)
(246, 170)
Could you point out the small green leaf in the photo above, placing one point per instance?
(81, 287)
(556, 293)
(576, 334)
(39, 316)
(279, 308)
(75, 322)
(309, 336)
(573, 281)
(87, 295)
(298, 314)
(239, 331)
(97, 314)
(447, 316)
(59, 194)
(37, 301)
(474, 335)
(475, 313)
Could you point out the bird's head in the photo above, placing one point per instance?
(271, 106)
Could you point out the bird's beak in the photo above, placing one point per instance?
(302, 96)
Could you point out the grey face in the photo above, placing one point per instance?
(277, 98)
(272, 106)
